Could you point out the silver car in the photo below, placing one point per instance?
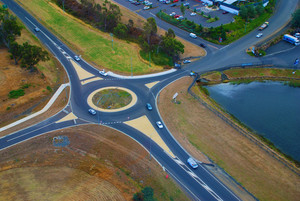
(159, 124)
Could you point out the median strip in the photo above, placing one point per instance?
(143, 125)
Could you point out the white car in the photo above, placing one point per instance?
(37, 29)
(193, 35)
(173, 14)
(102, 72)
(159, 124)
(77, 58)
(186, 61)
(186, 4)
(92, 111)
(193, 14)
(192, 163)
(146, 7)
(259, 35)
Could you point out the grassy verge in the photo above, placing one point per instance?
(92, 44)
(252, 167)
(158, 59)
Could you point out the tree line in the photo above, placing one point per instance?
(28, 55)
(107, 17)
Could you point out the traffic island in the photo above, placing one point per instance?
(111, 99)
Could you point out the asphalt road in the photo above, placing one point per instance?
(199, 183)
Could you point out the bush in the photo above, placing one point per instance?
(16, 93)
(49, 88)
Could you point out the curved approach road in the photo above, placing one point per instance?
(199, 183)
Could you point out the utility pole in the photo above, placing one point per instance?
(131, 65)
(149, 58)
(112, 40)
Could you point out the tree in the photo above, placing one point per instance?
(150, 28)
(296, 19)
(146, 194)
(259, 9)
(251, 11)
(182, 9)
(9, 29)
(244, 12)
(199, 28)
(121, 30)
(172, 47)
(32, 55)
(170, 33)
(16, 51)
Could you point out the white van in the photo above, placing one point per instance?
(193, 35)
(192, 163)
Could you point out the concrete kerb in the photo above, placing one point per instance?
(49, 104)
(140, 76)
(92, 105)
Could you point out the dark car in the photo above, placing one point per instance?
(137, 3)
(202, 45)
(225, 12)
(149, 107)
(173, 5)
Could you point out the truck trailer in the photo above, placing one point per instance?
(291, 39)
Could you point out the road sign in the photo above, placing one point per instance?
(175, 95)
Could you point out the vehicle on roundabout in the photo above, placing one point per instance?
(102, 72)
(92, 111)
(149, 107)
(159, 124)
(77, 58)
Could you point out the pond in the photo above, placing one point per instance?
(271, 109)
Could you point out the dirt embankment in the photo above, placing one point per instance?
(38, 86)
(199, 130)
(97, 161)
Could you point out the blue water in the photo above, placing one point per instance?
(272, 109)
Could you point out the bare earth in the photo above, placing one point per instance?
(197, 129)
(99, 164)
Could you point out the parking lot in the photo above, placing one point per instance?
(158, 5)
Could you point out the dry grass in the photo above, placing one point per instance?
(98, 159)
(256, 170)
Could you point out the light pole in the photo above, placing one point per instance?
(131, 65)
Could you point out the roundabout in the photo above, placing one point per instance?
(112, 99)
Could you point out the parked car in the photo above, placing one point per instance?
(186, 61)
(174, 1)
(192, 163)
(37, 29)
(225, 12)
(193, 14)
(149, 107)
(180, 17)
(167, 2)
(259, 35)
(186, 4)
(146, 7)
(173, 5)
(176, 16)
(172, 14)
(159, 124)
(102, 72)
(202, 45)
(92, 111)
(137, 3)
(77, 58)
(193, 35)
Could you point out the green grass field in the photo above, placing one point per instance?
(94, 45)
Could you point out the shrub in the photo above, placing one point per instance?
(16, 93)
